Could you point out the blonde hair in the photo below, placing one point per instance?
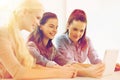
(21, 51)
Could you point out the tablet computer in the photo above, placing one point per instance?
(110, 59)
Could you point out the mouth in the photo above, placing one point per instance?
(75, 37)
(52, 34)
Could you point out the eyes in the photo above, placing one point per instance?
(53, 26)
(38, 17)
(77, 26)
(78, 30)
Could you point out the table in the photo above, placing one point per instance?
(114, 76)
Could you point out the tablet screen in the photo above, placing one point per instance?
(110, 58)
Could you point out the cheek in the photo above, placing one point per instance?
(71, 33)
(82, 33)
(45, 31)
(28, 21)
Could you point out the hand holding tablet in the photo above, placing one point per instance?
(109, 60)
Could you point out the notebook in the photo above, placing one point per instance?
(110, 58)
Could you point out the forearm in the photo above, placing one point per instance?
(85, 65)
(90, 70)
(81, 68)
(82, 72)
(38, 73)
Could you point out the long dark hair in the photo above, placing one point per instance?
(78, 15)
(37, 34)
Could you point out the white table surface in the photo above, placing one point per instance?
(114, 76)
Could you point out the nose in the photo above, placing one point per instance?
(55, 30)
(79, 33)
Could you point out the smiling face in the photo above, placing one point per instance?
(76, 26)
(76, 30)
(49, 29)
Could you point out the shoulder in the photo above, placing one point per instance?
(31, 44)
(5, 40)
(61, 37)
(87, 38)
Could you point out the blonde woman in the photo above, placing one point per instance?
(15, 59)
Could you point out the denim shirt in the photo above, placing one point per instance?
(75, 54)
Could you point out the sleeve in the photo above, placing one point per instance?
(7, 57)
(92, 55)
(39, 58)
(63, 57)
(59, 58)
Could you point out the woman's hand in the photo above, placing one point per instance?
(60, 71)
(95, 70)
(67, 72)
(90, 70)
(117, 67)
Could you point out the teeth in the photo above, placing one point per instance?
(52, 34)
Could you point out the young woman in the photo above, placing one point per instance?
(74, 45)
(40, 41)
(15, 58)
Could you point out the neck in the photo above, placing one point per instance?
(75, 43)
(45, 41)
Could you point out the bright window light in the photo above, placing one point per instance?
(6, 7)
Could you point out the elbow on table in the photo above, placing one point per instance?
(20, 75)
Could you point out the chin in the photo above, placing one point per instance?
(51, 38)
(75, 40)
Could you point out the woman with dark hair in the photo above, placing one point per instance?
(40, 42)
(74, 45)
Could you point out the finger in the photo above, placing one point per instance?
(74, 74)
(101, 70)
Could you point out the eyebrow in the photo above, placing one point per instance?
(53, 25)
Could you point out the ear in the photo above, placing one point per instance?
(40, 27)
